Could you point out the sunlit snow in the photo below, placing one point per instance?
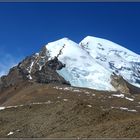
(130, 99)
(10, 133)
(81, 69)
(114, 57)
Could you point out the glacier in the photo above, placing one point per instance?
(81, 69)
(114, 57)
(91, 63)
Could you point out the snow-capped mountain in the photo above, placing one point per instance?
(80, 69)
(90, 64)
(114, 58)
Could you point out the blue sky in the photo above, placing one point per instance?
(26, 27)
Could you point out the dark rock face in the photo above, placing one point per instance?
(133, 89)
(35, 68)
(55, 64)
(123, 86)
(14, 77)
(48, 73)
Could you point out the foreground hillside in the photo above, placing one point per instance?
(50, 110)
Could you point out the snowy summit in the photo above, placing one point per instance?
(92, 62)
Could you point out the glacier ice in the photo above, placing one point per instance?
(91, 63)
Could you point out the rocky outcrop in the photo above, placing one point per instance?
(48, 73)
(119, 83)
(15, 76)
(133, 89)
(35, 68)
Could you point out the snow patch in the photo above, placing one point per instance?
(2, 108)
(118, 95)
(65, 100)
(10, 133)
(130, 99)
(40, 67)
(36, 54)
(29, 76)
(67, 89)
(58, 88)
(131, 110)
(40, 103)
(89, 105)
(30, 67)
(76, 90)
(124, 108)
(35, 103)
(86, 92)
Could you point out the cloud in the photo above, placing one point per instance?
(6, 62)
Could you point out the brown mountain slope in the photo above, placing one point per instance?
(50, 110)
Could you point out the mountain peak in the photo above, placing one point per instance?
(59, 41)
(107, 45)
(90, 64)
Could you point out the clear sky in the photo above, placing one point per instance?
(26, 27)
